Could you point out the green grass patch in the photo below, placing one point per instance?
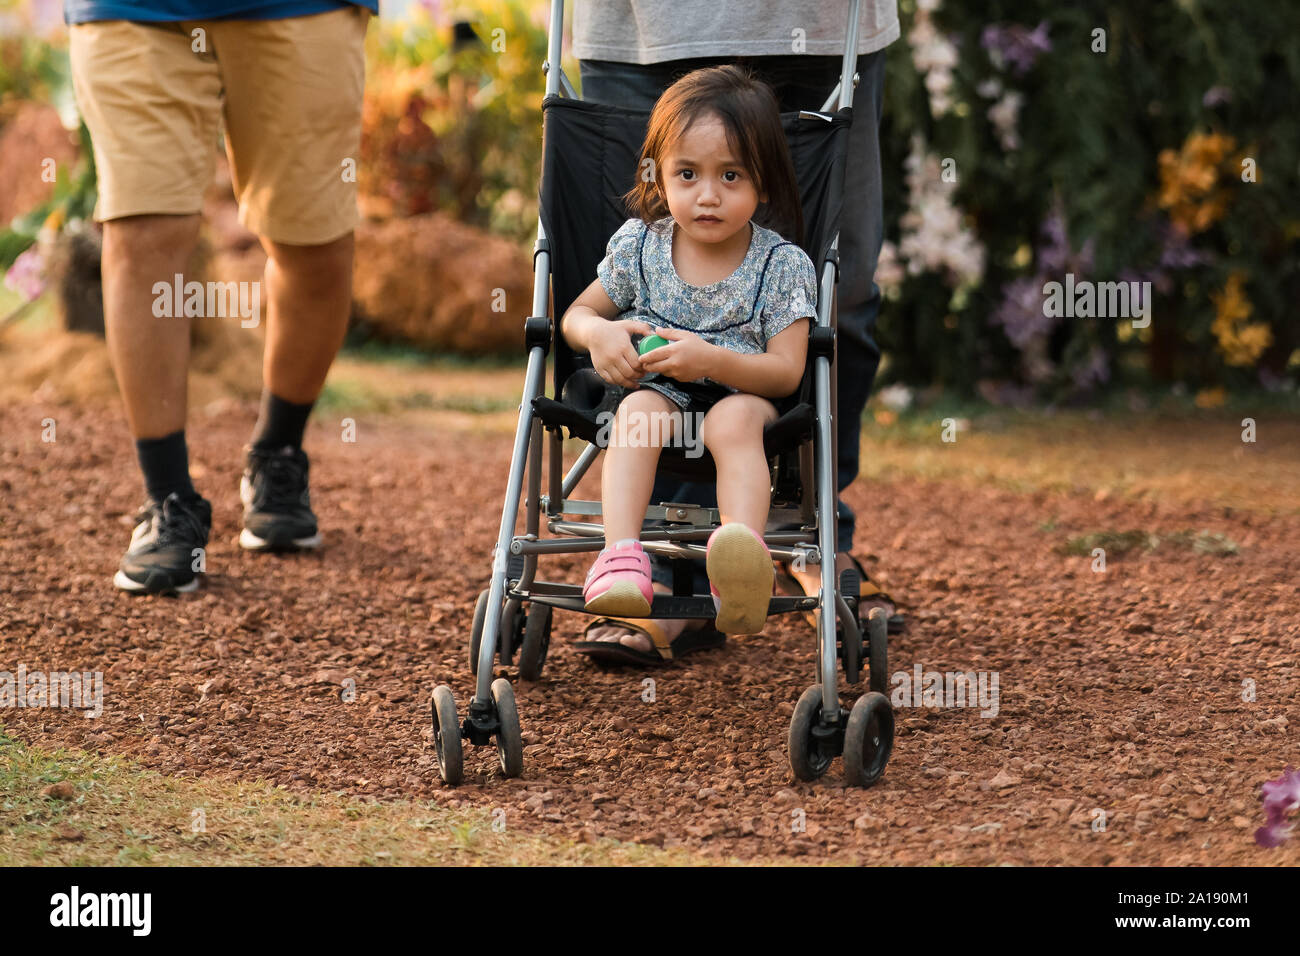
(401, 353)
(1122, 542)
(108, 811)
(346, 396)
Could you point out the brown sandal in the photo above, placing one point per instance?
(690, 640)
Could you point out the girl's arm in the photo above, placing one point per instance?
(773, 374)
(590, 326)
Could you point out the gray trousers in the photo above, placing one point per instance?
(800, 82)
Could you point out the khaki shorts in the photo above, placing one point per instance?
(289, 92)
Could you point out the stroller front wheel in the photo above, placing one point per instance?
(510, 742)
(811, 749)
(446, 735)
(868, 740)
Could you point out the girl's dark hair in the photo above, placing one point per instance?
(752, 120)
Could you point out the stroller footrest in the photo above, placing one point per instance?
(568, 597)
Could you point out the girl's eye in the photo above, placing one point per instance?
(686, 174)
(733, 173)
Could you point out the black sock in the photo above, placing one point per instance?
(280, 422)
(166, 465)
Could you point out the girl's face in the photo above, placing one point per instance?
(709, 193)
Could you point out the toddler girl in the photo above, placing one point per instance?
(732, 298)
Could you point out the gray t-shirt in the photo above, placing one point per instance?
(774, 286)
(652, 31)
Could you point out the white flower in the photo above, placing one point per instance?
(1003, 115)
(935, 237)
(897, 398)
(934, 57)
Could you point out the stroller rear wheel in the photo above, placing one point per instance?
(537, 640)
(868, 740)
(476, 630)
(512, 629)
(878, 650)
(446, 735)
(811, 748)
(510, 742)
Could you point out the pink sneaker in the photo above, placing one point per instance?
(740, 577)
(618, 583)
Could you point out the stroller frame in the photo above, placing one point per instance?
(821, 728)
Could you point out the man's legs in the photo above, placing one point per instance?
(309, 297)
(150, 354)
(152, 107)
(293, 96)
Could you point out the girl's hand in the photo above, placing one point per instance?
(612, 354)
(686, 358)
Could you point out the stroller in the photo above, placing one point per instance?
(590, 155)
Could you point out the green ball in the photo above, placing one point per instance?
(651, 342)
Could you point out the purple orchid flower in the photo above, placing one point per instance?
(1280, 797)
(1215, 96)
(1016, 46)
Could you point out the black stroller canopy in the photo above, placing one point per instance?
(590, 154)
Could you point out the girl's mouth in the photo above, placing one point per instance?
(707, 219)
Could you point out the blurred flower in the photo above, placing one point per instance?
(1021, 313)
(1177, 252)
(1216, 95)
(1279, 797)
(1282, 794)
(42, 19)
(26, 275)
(1055, 255)
(1003, 115)
(934, 236)
(1240, 342)
(434, 10)
(1015, 46)
(896, 398)
(1189, 181)
(934, 57)
(1093, 370)
(990, 89)
(1210, 398)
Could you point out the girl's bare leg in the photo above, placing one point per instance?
(733, 433)
(628, 474)
(627, 480)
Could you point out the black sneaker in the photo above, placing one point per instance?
(277, 505)
(166, 554)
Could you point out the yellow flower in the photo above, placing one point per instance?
(1240, 342)
(1189, 181)
(1210, 397)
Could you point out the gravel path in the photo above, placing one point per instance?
(1120, 693)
